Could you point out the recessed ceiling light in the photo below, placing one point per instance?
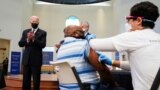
(106, 3)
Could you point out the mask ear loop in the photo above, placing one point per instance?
(147, 20)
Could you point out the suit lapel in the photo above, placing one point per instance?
(37, 32)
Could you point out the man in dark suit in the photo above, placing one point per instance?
(33, 40)
(85, 27)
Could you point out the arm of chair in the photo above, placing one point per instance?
(156, 82)
(83, 86)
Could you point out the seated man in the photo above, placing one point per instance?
(77, 52)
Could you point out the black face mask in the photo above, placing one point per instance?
(34, 25)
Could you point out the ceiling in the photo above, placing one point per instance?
(73, 2)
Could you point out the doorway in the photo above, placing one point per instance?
(4, 49)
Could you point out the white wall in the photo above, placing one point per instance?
(10, 20)
(104, 21)
(12, 15)
(121, 9)
(52, 19)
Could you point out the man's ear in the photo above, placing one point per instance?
(139, 20)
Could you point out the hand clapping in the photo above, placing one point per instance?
(30, 36)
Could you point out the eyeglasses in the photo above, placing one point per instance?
(133, 17)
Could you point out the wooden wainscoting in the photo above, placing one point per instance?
(48, 82)
(47, 69)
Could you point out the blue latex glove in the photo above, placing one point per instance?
(90, 36)
(104, 59)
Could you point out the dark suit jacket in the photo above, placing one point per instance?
(33, 50)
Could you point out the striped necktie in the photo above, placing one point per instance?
(33, 30)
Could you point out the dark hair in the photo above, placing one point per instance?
(148, 11)
(79, 34)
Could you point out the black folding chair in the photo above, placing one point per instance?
(83, 86)
(63, 69)
(156, 82)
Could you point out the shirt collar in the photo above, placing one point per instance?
(66, 39)
(35, 30)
